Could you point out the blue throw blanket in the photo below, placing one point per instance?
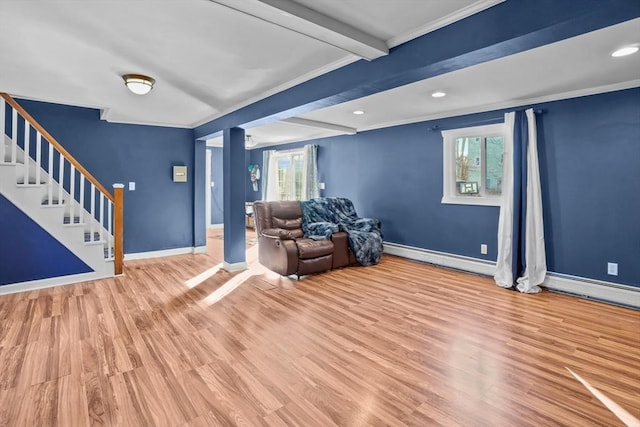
(324, 216)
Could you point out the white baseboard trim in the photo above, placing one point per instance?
(215, 226)
(579, 286)
(443, 259)
(165, 252)
(34, 285)
(596, 289)
(233, 267)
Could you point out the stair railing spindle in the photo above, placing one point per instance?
(72, 192)
(14, 135)
(81, 214)
(110, 229)
(38, 157)
(27, 128)
(93, 210)
(101, 217)
(60, 178)
(50, 172)
(3, 129)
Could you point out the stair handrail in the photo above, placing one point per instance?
(25, 115)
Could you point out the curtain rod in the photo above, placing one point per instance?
(493, 121)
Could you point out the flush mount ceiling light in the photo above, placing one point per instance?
(358, 112)
(138, 83)
(438, 94)
(249, 142)
(627, 50)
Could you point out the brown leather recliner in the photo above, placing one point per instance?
(283, 248)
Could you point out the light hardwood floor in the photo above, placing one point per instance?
(400, 343)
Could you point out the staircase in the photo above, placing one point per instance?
(46, 183)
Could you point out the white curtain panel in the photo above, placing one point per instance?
(534, 253)
(269, 175)
(504, 271)
(310, 172)
(535, 256)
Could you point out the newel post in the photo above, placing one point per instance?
(118, 234)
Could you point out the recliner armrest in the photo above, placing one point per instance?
(279, 255)
(280, 233)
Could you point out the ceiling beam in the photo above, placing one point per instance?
(308, 22)
(319, 125)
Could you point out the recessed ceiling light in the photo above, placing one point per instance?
(358, 112)
(627, 50)
(438, 94)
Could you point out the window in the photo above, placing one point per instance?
(290, 174)
(473, 165)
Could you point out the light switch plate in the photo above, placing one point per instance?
(179, 174)
(132, 186)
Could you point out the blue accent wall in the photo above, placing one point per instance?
(217, 177)
(159, 213)
(28, 252)
(199, 187)
(589, 151)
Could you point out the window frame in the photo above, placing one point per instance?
(279, 154)
(449, 194)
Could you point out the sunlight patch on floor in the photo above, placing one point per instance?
(196, 280)
(617, 410)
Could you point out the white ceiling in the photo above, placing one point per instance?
(208, 57)
(573, 67)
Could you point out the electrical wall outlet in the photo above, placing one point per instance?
(483, 249)
(321, 186)
(612, 268)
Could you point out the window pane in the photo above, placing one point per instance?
(468, 165)
(284, 178)
(298, 167)
(495, 155)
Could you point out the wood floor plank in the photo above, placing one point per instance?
(400, 343)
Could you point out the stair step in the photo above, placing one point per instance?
(54, 202)
(96, 237)
(7, 162)
(107, 254)
(67, 220)
(32, 183)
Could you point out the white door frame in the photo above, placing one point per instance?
(207, 188)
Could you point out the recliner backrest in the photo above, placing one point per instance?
(282, 214)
